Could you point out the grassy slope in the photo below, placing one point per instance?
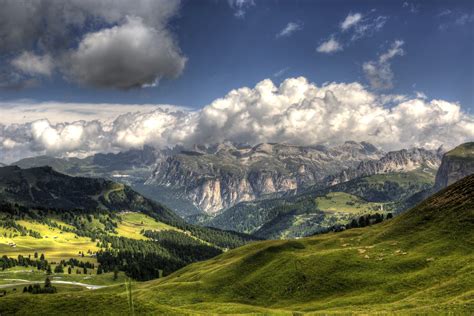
(465, 150)
(132, 223)
(54, 243)
(345, 203)
(57, 244)
(421, 261)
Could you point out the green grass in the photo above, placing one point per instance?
(465, 150)
(54, 243)
(421, 175)
(133, 222)
(346, 203)
(419, 262)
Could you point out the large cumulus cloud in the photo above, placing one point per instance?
(78, 34)
(125, 56)
(296, 112)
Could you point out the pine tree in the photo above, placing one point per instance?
(47, 283)
(354, 223)
(59, 269)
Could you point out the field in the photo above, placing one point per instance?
(340, 202)
(132, 223)
(419, 262)
(56, 244)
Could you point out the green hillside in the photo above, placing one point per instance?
(45, 188)
(419, 262)
(465, 150)
(97, 223)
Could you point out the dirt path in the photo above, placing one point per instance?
(21, 282)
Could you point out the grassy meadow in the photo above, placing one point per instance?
(421, 262)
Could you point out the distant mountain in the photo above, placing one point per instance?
(375, 186)
(457, 164)
(46, 188)
(395, 161)
(209, 179)
(217, 177)
(130, 167)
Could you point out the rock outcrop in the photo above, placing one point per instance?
(219, 176)
(456, 164)
(395, 161)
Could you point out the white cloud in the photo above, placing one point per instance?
(329, 46)
(289, 29)
(464, 19)
(420, 95)
(368, 26)
(354, 27)
(351, 20)
(412, 7)
(379, 73)
(240, 7)
(296, 112)
(281, 72)
(32, 64)
(454, 19)
(125, 56)
(25, 111)
(444, 12)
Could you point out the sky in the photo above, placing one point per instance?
(79, 77)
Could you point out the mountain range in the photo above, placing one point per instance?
(210, 179)
(395, 182)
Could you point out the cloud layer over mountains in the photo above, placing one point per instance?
(296, 112)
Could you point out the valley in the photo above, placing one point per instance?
(417, 262)
(217, 185)
(345, 242)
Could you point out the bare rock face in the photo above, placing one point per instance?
(396, 161)
(456, 164)
(219, 176)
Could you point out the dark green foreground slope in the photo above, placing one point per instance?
(421, 261)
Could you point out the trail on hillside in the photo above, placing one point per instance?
(24, 282)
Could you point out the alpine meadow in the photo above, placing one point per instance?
(236, 157)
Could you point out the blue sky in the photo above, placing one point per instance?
(226, 52)
(79, 77)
